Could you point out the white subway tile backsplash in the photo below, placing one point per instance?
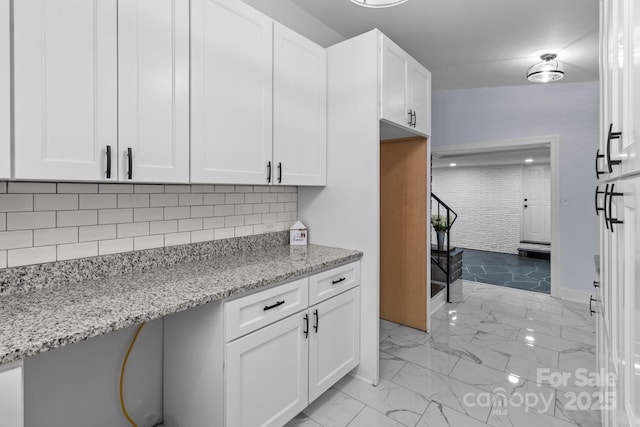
(223, 210)
(245, 230)
(42, 222)
(190, 224)
(74, 188)
(32, 187)
(223, 233)
(148, 214)
(162, 200)
(133, 200)
(189, 199)
(214, 199)
(55, 202)
(98, 201)
(16, 202)
(201, 236)
(77, 250)
(225, 189)
(269, 198)
(115, 216)
(55, 236)
(115, 188)
(148, 242)
(16, 239)
(179, 188)
(215, 222)
(233, 221)
(28, 256)
(177, 212)
(277, 189)
(97, 232)
(73, 218)
(106, 247)
(234, 198)
(201, 211)
(253, 198)
(243, 209)
(148, 188)
(133, 229)
(163, 227)
(30, 220)
(174, 239)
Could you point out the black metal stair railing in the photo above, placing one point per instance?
(447, 217)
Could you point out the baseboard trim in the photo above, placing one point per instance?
(574, 295)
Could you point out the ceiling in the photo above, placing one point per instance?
(541, 154)
(478, 43)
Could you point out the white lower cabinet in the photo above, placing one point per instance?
(266, 374)
(11, 400)
(260, 359)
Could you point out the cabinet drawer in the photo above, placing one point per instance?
(332, 282)
(246, 314)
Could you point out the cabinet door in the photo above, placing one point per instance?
(231, 92)
(153, 85)
(395, 63)
(420, 94)
(630, 140)
(631, 401)
(5, 91)
(299, 109)
(65, 83)
(266, 374)
(334, 342)
(11, 400)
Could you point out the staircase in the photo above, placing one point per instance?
(441, 254)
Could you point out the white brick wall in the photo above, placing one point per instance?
(44, 222)
(488, 201)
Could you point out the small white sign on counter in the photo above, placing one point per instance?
(298, 234)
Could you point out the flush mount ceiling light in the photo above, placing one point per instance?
(378, 3)
(547, 70)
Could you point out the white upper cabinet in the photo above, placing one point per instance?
(5, 91)
(153, 90)
(300, 109)
(65, 83)
(630, 139)
(231, 93)
(406, 89)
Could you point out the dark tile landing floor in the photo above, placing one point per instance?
(508, 270)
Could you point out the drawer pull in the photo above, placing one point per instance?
(591, 300)
(277, 304)
(342, 279)
(315, 326)
(306, 326)
(596, 284)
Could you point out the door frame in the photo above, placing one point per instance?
(554, 146)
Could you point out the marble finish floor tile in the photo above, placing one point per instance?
(487, 361)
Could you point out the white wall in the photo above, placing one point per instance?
(568, 110)
(293, 16)
(487, 200)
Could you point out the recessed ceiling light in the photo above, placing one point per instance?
(528, 160)
(378, 3)
(452, 165)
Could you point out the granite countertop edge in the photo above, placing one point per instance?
(40, 320)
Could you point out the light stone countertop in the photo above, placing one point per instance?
(39, 320)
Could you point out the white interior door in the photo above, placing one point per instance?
(65, 88)
(536, 207)
(153, 85)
